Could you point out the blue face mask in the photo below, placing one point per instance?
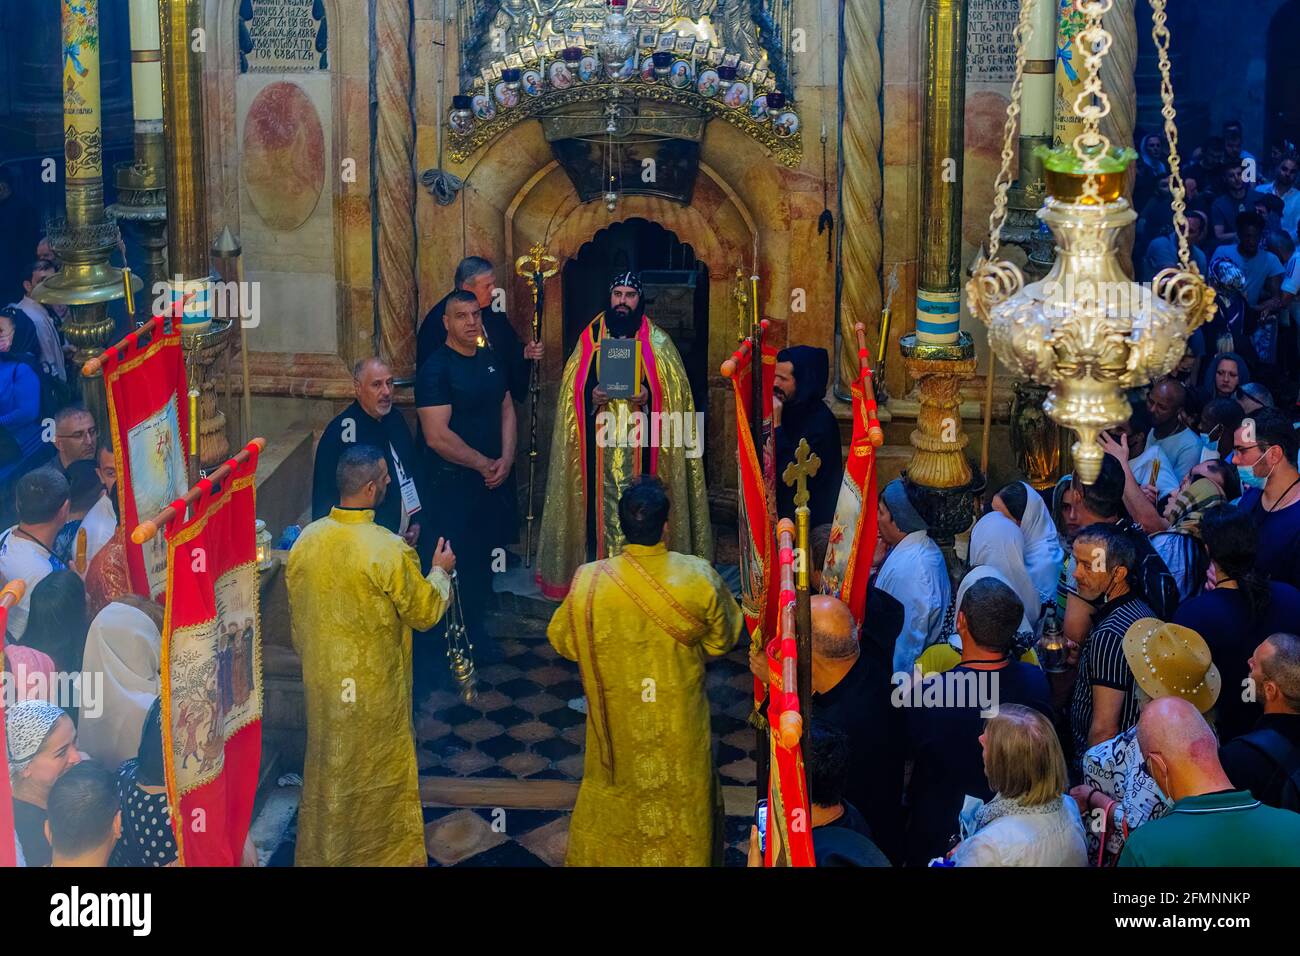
(1251, 480)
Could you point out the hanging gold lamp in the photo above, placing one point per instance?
(1086, 330)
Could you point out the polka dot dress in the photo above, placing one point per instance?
(147, 838)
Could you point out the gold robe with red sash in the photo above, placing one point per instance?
(642, 627)
(562, 544)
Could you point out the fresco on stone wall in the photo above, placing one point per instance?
(284, 156)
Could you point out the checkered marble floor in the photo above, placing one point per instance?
(521, 728)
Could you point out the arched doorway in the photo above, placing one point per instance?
(1282, 96)
(676, 290)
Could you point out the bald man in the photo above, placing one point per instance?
(373, 420)
(851, 687)
(1181, 445)
(1212, 823)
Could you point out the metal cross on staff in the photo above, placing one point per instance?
(798, 472)
(536, 267)
(796, 475)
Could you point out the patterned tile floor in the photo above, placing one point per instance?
(521, 727)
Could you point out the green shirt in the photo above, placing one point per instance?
(1230, 828)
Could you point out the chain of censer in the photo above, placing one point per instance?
(1092, 103)
(1024, 32)
(1160, 34)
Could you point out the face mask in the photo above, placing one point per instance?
(1251, 480)
(1159, 791)
(1101, 599)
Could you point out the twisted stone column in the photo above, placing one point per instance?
(861, 239)
(1118, 71)
(394, 163)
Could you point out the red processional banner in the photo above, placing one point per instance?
(212, 669)
(847, 570)
(8, 849)
(148, 417)
(757, 499)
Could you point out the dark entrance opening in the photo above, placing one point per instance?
(676, 290)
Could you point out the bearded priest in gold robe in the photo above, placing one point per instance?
(601, 444)
(642, 626)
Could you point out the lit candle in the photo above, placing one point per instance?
(146, 63)
(884, 335)
(194, 421)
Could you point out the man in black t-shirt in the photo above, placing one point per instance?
(475, 275)
(467, 419)
(945, 719)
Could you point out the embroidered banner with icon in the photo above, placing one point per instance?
(212, 668)
(847, 568)
(148, 416)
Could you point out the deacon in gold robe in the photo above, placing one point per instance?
(642, 626)
(600, 444)
(355, 594)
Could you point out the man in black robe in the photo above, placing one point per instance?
(800, 411)
(475, 274)
(372, 420)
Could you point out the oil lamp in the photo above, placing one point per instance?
(1086, 330)
(617, 42)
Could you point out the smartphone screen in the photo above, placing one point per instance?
(760, 816)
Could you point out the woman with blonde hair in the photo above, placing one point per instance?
(1030, 821)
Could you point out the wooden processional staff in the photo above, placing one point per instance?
(796, 475)
(536, 267)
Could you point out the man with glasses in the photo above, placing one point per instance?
(75, 435)
(1264, 452)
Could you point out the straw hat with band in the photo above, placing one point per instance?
(1169, 660)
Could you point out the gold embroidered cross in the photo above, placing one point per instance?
(798, 472)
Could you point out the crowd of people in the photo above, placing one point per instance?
(1242, 216)
(1118, 670)
(82, 651)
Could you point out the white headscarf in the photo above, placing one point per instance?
(1043, 553)
(997, 542)
(123, 644)
(979, 574)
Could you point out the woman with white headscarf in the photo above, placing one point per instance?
(938, 658)
(996, 542)
(1044, 556)
(41, 742)
(125, 645)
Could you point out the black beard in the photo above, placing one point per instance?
(622, 321)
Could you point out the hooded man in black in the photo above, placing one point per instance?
(801, 412)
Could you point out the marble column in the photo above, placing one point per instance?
(861, 238)
(395, 159)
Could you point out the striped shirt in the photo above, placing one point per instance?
(1102, 663)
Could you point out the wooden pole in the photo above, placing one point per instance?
(147, 529)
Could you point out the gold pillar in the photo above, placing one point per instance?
(187, 194)
(861, 189)
(87, 237)
(938, 296)
(142, 183)
(938, 355)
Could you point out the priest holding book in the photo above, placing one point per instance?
(588, 472)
